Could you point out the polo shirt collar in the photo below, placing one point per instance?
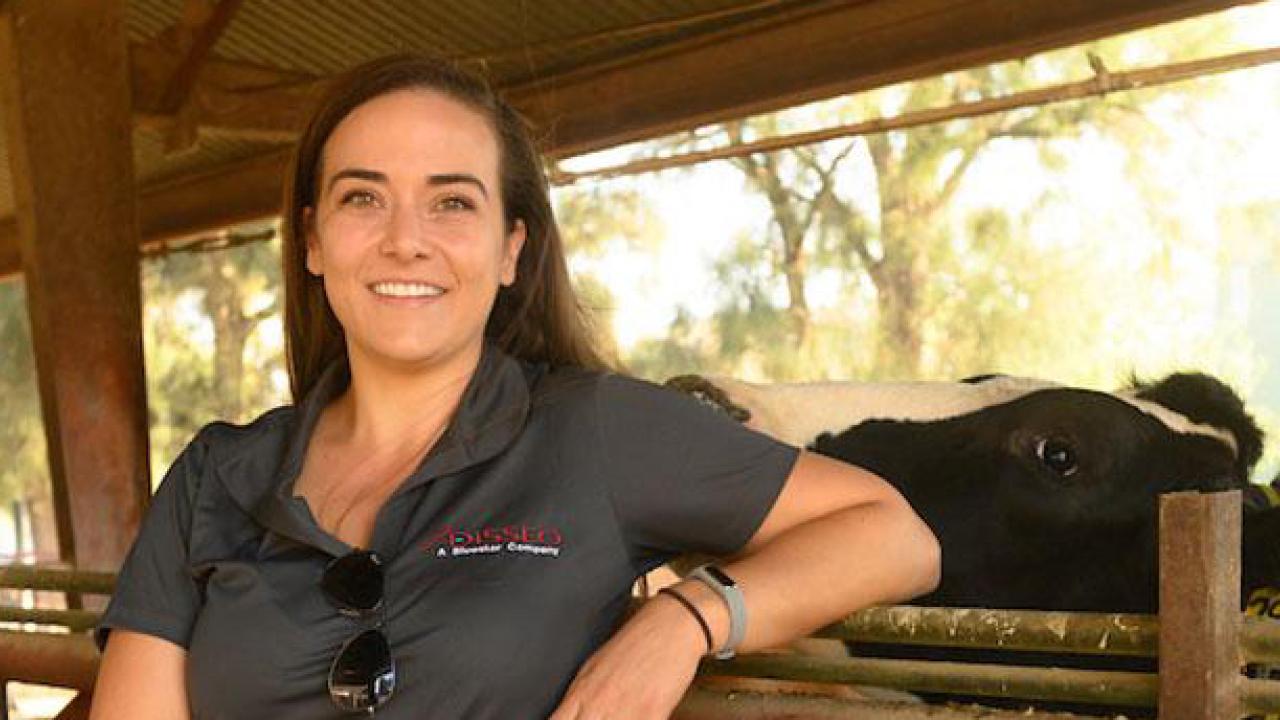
(490, 415)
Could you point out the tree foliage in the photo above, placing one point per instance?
(928, 285)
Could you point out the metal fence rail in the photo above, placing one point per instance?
(1203, 638)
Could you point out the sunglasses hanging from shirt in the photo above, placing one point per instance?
(363, 675)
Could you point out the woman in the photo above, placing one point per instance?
(449, 522)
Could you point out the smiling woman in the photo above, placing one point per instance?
(410, 244)
(457, 451)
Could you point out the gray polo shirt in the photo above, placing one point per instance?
(510, 552)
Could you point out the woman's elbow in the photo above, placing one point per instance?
(921, 554)
(930, 551)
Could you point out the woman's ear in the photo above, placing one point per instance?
(511, 253)
(315, 261)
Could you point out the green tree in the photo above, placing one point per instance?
(24, 475)
(925, 290)
(596, 224)
(202, 313)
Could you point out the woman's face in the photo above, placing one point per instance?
(408, 231)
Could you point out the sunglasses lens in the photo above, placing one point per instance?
(353, 582)
(363, 676)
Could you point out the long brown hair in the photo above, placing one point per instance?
(537, 318)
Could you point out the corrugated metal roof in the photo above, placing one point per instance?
(325, 37)
(513, 39)
(523, 40)
(146, 19)
(153, 164)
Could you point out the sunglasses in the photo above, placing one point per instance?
(363, 675)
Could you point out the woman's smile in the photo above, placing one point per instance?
(409, 231)
(404, 292)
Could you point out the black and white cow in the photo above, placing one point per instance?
(1042, 496)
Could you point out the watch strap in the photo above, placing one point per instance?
(724, 586)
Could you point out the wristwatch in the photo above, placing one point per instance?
(724, 586)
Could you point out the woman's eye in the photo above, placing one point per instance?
(359, 199)
(455, 203)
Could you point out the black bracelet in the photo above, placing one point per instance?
(702, 623)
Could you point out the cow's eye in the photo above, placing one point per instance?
(1057, 455)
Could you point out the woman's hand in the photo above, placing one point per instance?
(642, 672)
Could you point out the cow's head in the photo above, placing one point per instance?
(1041, 495)
(1059, 456)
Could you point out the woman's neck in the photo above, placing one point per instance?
(387, 405)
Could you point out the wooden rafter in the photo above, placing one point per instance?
(192, 39)
(1104, 81)
(795, 55)
(803, 52)
(202, 23)
(237, 192)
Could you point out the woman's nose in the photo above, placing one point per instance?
(405, 236)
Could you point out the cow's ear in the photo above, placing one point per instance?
(1206, 400)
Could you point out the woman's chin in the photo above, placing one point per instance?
(415, 355)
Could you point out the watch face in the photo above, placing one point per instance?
(719, 575)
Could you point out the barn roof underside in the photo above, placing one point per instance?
(218, 99)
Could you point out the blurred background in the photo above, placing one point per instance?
(1086, 241)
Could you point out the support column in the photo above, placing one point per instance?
(64, 89)
(1200, 606)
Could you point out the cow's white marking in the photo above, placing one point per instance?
(1178, 422)
(796, 413)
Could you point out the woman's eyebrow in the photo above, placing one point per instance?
(437, 179)
(357, 173)
(454, 178)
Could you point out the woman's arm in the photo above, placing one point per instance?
(838, 538)
(141, 678)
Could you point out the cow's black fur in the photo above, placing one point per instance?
(1050, 501)
(1015, 531)
(1206, 400)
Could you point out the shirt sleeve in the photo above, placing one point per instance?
(155, 592)
(683, 476)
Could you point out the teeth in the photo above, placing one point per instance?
(394, 289)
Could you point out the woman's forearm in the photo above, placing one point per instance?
(819, 570)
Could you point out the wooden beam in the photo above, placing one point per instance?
(234, 193)
(202, 23)
(829, 48)
(10, 255)
(238, 192)
(1200, 606)
(64, 88)
(853, 47)
(794, 56)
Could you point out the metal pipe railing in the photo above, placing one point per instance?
(48, 659)
(1129, 689)
(1259, 697)
(1028, 630)
(43, 577)
(73, 620)
(702, 703)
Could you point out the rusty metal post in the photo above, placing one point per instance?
(78, 708)
(1199, 606)
(65, 95)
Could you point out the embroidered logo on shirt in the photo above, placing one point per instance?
(456, 541)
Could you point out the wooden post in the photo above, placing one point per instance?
(64, 79)
(1199, 606)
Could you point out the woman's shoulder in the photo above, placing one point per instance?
(577, 387)
(224, 435)
(220, 444)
